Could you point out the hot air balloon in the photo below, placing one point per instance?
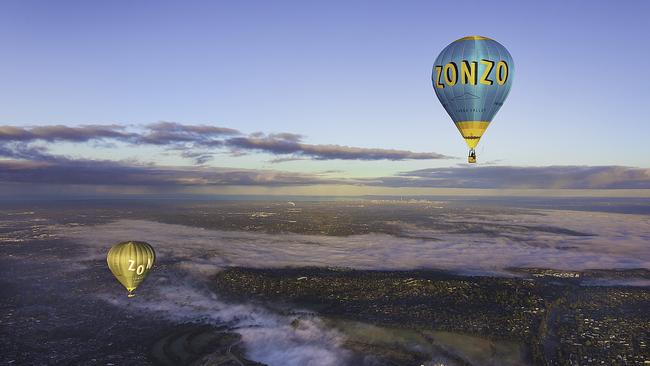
(472, 78)
(130, 262)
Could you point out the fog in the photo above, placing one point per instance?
(557, 239)
(269, 337)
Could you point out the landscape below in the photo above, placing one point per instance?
(550, 315)
(363, 282)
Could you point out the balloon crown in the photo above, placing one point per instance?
(473, 38)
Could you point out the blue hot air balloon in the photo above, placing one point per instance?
(472, 78)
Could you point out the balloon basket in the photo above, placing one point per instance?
(471, 158)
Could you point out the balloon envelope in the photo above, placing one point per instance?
(130, 262)
(472, 78)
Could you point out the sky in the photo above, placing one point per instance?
(333, 93)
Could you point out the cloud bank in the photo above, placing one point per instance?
(120, 174)
(199, 142)
(541, 239)
(25, 158)
(111, 173)
(511, 177)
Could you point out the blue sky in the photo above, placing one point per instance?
(354, 74)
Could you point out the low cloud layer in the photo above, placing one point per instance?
(199, 142)
(49, 170)
(541, 239)
(115, 173)
(550, 177)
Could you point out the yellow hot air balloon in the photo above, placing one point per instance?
(130, 262)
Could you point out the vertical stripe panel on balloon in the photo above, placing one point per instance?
(470, 90)
(134, 276)
(128, 254)
(452, 89)
(489, 103)
(463, 56)
(459, 88)
(490, 94)
(494, 107)
(477, 100)
(499, 88)
(508, 84)
(116, 261)
(133, 255)
(480, 88)
(446, 57)
(504, 89)
(123, 252)
(489, 89)
(138, 260)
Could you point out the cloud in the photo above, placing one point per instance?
(165, 133)
(551, 177)
(108, 173)
(512, 238)
(24, 152)
(197, 142)
(282, 144)
(64, 133)
(284, 160)
(200, 143)
(63, 171)
(199, 157)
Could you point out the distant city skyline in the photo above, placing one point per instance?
(254, 97)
